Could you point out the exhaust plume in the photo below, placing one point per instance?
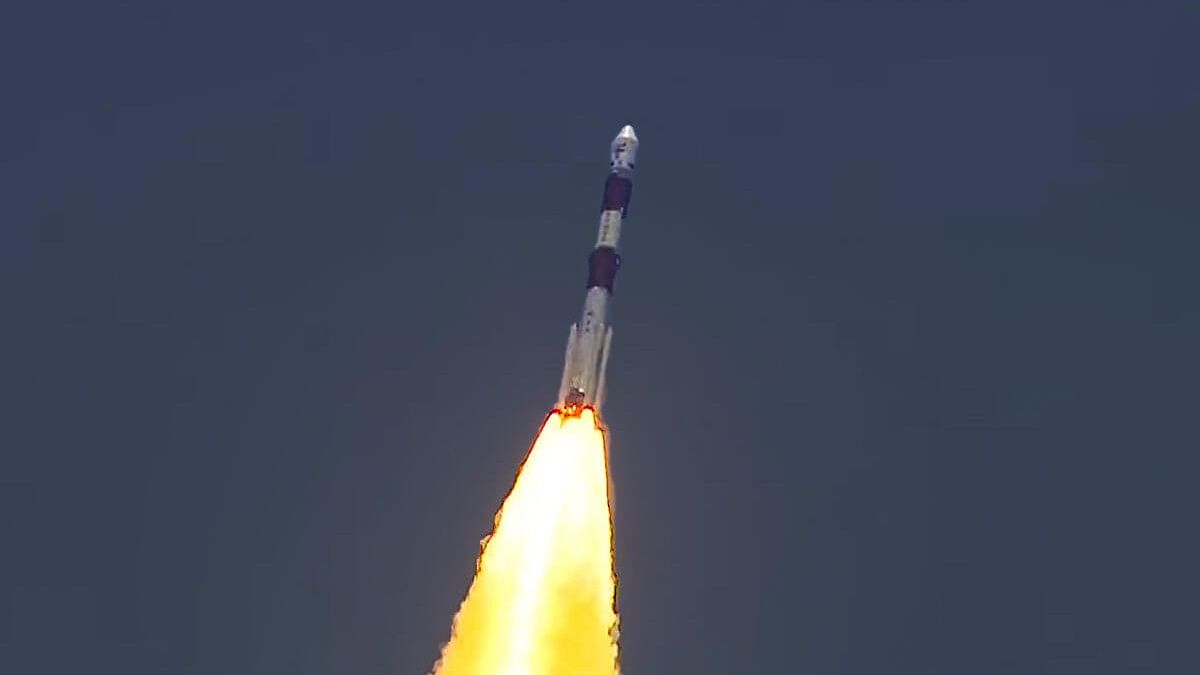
(543, 601)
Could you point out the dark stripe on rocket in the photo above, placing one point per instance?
(617, 191)
(602, 268)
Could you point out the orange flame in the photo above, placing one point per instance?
(544, 597)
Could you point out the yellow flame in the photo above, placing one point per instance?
(543, 599)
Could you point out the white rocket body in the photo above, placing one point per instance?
(590, 340)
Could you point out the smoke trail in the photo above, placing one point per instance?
(543, 598)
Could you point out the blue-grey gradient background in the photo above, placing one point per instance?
(904, 376)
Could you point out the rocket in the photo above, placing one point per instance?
(590, 340)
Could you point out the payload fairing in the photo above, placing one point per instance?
(590, 340)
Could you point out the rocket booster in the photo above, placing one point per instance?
(590, 340)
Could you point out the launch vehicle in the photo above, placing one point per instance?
(590, 340)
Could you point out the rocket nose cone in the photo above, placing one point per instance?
(627, 132)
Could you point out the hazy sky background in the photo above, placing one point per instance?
(904, 372)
